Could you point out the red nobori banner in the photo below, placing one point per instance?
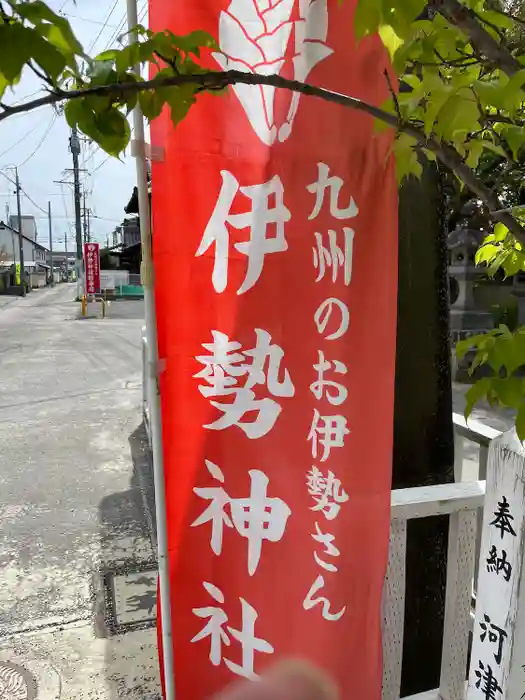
(275, 244)
(92, 264)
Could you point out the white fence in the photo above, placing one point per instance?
(111, 279)
(463, 503)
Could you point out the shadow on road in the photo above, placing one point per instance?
(126, 584)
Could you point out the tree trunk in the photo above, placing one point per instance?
(423, 429)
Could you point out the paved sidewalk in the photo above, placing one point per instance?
(467, 452)
(6, 301)
(77, 565)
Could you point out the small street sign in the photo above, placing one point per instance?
(92, 264)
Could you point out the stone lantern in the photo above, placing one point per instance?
(465, 318)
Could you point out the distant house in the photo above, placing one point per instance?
(65, 261)
(36, 265)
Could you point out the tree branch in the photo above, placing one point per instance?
(220, 79)
(482, 41)
(40, 74)
(394, 96)
(494, 27)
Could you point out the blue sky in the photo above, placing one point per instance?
(38, 142)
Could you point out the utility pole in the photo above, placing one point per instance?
(74, 145)
(85, 218)
(20, 236)
(52, 278)
(12, 232)
(67, 259)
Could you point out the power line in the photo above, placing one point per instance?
(105, 218)
(120, 29)
(105, 160)
(33, 202)
(101, 164)
(14, 145)
(48, 194)
(65, 210)
(91, 21)
(44, 137)
(112, 10)
(28, 197)
(116, 33)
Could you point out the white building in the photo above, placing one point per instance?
(35, 255)
(28, 225)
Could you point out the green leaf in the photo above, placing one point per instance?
(475, 149)
(194, 41)
(101, 72)
(477, 392)
(512, 264)
(3, 85)
(500, 232)
(180, 99)
(497, 18)
(459, 114)
(512, 94)
(430, 155)
(515, 137)
(486, 254)
(407, 162)
(62, 42)
(509, 391)
(110, 55)
(436, 101)
(129, 57)
(107, 126)
(48, 57)
(151, 103)
(114, 131)
(367, 17)
(15, 52)
(390, 39)
(39, 13)
(462, 346)
(492, 91)
(494, 148)
(72, 112)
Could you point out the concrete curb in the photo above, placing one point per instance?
(143, 463)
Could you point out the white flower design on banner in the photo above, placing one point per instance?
(254, 37)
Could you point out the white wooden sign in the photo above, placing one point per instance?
(498, 646)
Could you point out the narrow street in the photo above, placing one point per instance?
(77, 567)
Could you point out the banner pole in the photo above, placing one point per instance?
(152, 385)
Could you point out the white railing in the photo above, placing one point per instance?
(463, 503)
(475, 432)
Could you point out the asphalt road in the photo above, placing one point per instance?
(76, 561)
